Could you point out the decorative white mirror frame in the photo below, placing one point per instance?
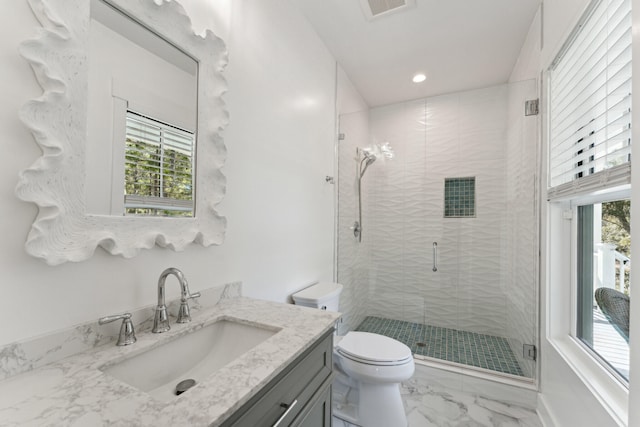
(62, 230)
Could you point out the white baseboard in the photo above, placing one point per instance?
(543, 412)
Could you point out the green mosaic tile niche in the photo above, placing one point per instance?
(460, 197)
(452, 345)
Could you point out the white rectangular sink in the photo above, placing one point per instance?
(194, 355)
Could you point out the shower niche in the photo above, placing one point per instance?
(462, 180)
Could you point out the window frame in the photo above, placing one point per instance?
(162, 202)
(561, 299)
(560, 261)
(606, 196)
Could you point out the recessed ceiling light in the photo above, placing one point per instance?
(419, 78)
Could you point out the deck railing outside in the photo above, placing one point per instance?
(611, 267)
(612, 270)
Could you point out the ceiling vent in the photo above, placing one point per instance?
(377, 8)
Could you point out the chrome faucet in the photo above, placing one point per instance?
(161, 319)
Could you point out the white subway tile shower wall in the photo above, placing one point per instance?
(462, 134)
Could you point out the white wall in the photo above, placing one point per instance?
(279, 209)
(528, 63)
(348, 98)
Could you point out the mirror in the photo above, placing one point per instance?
(130, 127)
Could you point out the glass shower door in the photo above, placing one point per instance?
(480, 306)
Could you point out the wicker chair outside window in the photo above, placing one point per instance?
(615, 307)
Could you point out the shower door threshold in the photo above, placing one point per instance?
(476, 372)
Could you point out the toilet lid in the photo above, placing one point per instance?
(373, 348)
(320, 292)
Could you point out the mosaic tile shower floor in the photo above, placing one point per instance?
(469, 348)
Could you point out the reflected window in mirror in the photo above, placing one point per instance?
(158, 178)
(134, 70)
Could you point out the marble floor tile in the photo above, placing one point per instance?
(439, 407)
(438, 398)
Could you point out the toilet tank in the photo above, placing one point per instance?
(323, 295)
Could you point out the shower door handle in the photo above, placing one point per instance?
(435, 256)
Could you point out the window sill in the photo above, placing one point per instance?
(608, 390)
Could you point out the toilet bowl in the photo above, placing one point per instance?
(369, 368)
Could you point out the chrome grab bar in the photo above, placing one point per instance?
(435, 256)
(283, 416)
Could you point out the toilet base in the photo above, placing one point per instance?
(368, 405)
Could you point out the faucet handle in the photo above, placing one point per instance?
(127, 334)
(184, 315)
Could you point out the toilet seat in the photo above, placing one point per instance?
(373, 349)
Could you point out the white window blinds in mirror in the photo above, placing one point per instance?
(158, 168)
(590, 103)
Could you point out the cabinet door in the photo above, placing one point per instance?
(287, 397)
(320, 413)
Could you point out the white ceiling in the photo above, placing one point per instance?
(458, 44)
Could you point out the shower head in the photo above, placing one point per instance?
(373, 153)
(366, 161)
(369, 157)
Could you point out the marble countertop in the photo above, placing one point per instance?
(75, 392)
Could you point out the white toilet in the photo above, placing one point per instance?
(369, 368)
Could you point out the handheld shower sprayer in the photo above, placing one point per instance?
(368, 159)
(373, 153)
(365, 157)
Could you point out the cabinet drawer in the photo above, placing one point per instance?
(290, 391)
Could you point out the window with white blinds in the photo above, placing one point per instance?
(158, 168)
(590, 103)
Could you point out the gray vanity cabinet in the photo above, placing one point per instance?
(300, 396)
